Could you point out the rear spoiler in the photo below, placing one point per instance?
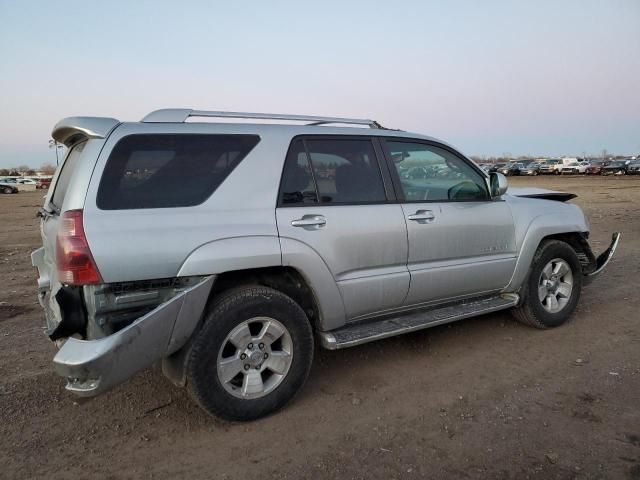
(70, 130)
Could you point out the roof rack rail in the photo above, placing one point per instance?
(180, 115)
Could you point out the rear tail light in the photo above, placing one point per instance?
(73, 257)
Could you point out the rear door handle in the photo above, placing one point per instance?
(422, 216)
(310, 222)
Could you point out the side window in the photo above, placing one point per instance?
(429, 173)
(344, 171)
(169, 170)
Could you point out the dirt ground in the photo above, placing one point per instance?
(481, 398)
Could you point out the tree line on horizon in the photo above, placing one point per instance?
(26, 171)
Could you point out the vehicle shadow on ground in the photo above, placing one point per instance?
(150, 395)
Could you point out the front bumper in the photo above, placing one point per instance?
(93, 366)
(603, 259)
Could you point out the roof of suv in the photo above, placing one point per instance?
(67, 130)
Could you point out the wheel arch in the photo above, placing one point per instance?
(560, 226)
(287, 279)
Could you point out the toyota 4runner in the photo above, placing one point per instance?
(222, 249)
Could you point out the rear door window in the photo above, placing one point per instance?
(169, 170)
(332, 171)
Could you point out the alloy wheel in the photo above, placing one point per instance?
(555, 285)
(255, 357)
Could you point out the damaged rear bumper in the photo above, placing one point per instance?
(93, 366)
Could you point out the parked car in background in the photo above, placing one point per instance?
(21, 183)
(595, 167)
(575, 168)
(633, 168)
(27, 181)
(416, 173)
(551, 167)
(43, 183)
(7, 187)
(512, 168)
(617, 167)
(532, 169)
(495, 167)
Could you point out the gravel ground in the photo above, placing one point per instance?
(481, 398)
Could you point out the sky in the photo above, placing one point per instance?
(541, 77)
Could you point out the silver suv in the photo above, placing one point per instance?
(221, 249)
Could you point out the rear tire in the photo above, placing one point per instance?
(252, 355)
(552, 290)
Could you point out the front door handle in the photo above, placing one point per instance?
(422, 216)
(310, 222)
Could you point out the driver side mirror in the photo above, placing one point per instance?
(498, 184)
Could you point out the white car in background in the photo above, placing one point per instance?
(574, 168)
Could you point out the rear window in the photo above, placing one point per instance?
(169, 170)
(62, 184)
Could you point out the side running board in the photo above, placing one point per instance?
(371, 330)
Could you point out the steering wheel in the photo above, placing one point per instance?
(454, 191)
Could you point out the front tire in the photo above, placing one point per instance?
(252, 355)
(552, 290)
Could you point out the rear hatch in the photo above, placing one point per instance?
(84, 137)
(44, 259)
